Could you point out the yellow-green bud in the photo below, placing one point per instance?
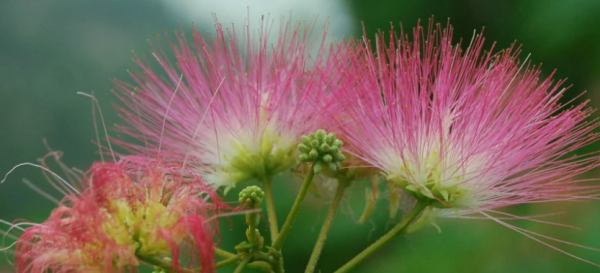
(252, 196)
(322, 150)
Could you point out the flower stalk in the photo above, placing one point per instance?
(397, 230)
(223, 253)
(242, 264)
(228, 261)
(289, 221)
(314, 257)
(322, 152)
(271, 211)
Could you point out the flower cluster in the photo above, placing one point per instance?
(459, 131)
(465, 129)
(130, 211)
(235, 106)
(322, 149)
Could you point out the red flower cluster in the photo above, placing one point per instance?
(132, 210)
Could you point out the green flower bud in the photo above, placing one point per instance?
(323, 150)
(321, 134)
(252, 196)
(333, 166)
(303, 148)
(318, 167)
(305, 140)
(339, 157)
(304, 158)
(330, 138)
(338, 143)
(314, 143)
(313, 154)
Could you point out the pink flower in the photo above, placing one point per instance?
(236, 105)
(469, 131)
(134, 209)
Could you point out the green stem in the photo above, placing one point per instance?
(242, 264)
(164, 264)
(263, 266)
(314, 257)
(268, 184)
(223, 253)
(398, 229)
(289, 221)
(278, 268)
(228, 261)
(270, 264)
(231, 259)
(251, 232)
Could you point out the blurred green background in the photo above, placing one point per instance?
(49, 50)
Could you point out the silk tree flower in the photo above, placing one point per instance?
(235, 106)
(131, 210)
(469, 130)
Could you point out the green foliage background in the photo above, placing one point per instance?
(49, 50)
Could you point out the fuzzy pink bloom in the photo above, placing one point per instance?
(235, 106)
(130, 209)
(470, 129)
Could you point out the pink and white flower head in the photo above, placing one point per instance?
(235, 105)
(129, 211)
(469, 130)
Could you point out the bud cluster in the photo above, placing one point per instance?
(251, 196)
(322, 149)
